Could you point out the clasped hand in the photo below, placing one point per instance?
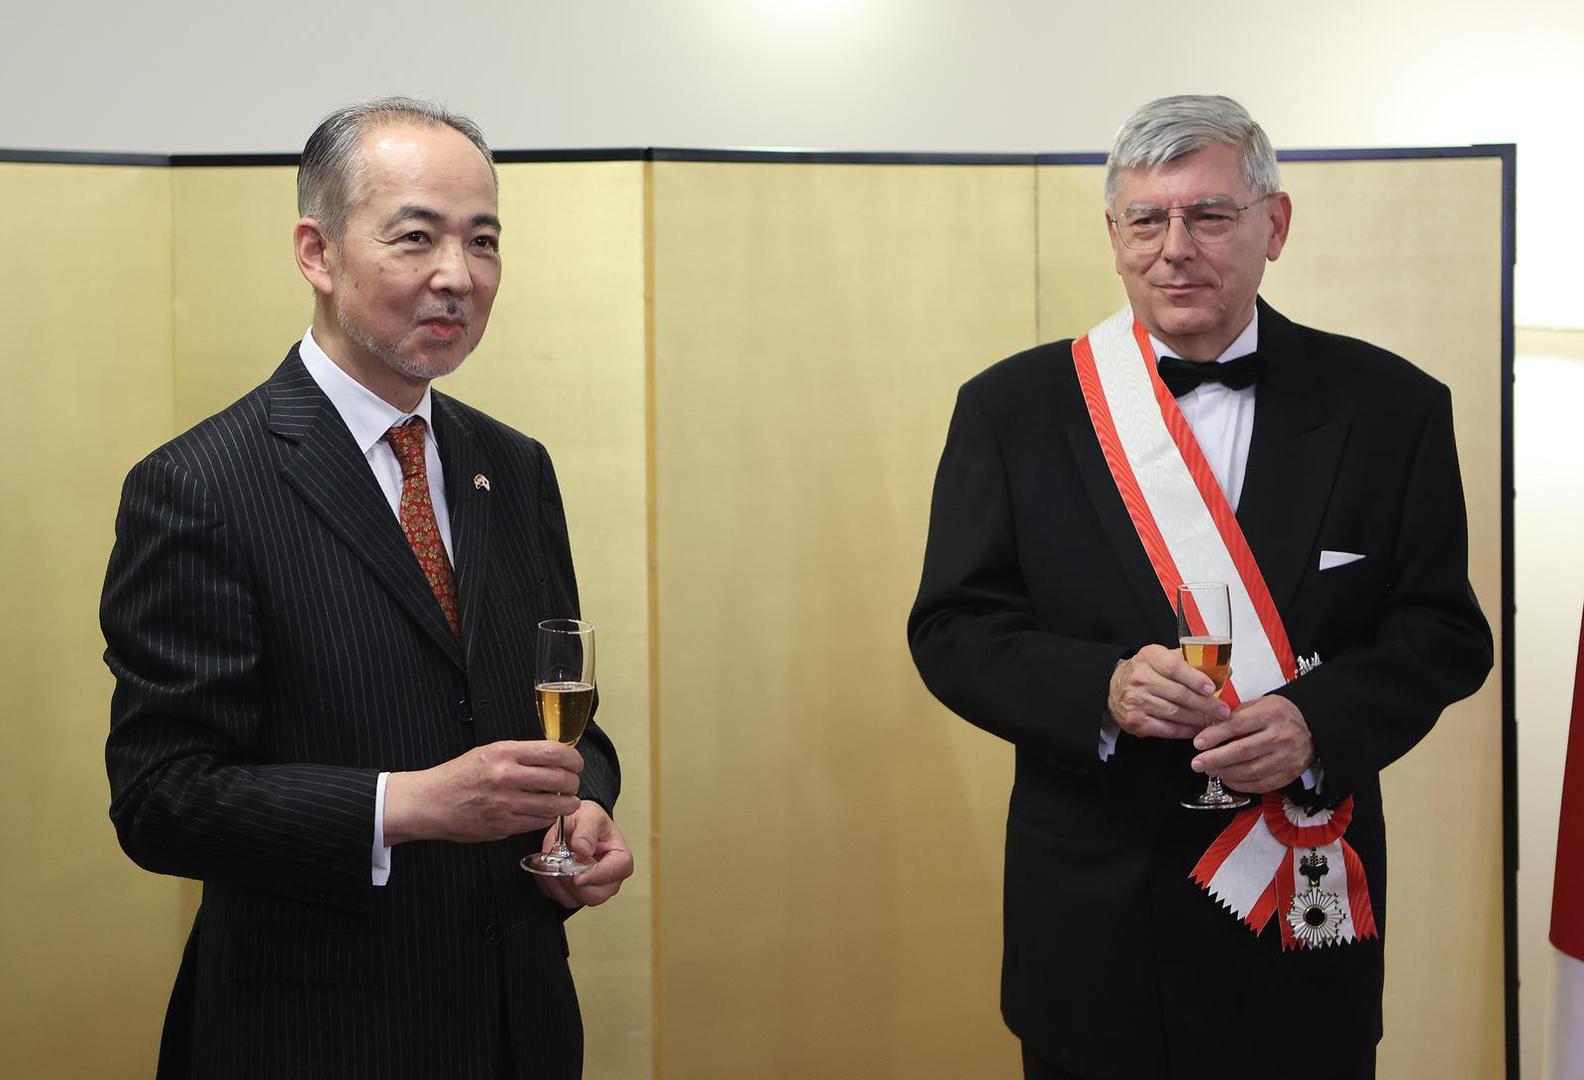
(1261, 746)
(591, 834)
(502, 790)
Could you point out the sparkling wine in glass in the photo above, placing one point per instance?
(564, 699)
(1204, 633)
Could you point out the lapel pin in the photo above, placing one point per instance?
(481, 481)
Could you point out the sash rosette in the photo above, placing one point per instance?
(1273, 857)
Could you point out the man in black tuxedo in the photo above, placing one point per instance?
(1042, 618)
(320, 613)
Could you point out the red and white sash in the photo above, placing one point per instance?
(1190, 533)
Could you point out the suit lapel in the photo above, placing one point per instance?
(334, 479)
(1123, 537)
(1294, 452)
(469, 500)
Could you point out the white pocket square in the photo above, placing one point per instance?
(1329, 559)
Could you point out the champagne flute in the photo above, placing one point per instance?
(564, 699)
(1204, 633)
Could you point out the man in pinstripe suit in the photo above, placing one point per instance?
(329, 724)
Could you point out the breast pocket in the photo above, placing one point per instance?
(1347, 588)
(1339, 568)
(1330, 559)
(520, 608)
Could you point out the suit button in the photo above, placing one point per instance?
(464, 711)
(491, 934)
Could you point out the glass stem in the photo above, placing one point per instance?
(1213, 788)
(561, 848)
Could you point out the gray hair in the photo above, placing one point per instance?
(331, 174)
(1174, 127)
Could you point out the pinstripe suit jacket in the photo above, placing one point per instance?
(275, 646)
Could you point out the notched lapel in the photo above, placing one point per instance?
(1294, 452)
(334, 479)
(470, 504)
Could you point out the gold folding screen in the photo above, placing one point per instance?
(743, 371)
(828, 896)
(88, 943)
(1408, 254)
(564, 360)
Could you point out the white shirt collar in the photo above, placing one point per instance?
(367, 415)
(1242, 345)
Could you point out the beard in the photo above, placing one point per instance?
(390, 354)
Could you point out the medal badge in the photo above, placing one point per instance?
(1254, 870)
(1315, 916)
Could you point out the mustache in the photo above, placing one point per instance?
(451, 310)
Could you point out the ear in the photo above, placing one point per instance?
(1280, 212)
(316, 255)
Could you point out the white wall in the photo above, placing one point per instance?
(1548, 446)
(996, 75)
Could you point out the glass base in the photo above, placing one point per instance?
(555, 864)
(1215, 797)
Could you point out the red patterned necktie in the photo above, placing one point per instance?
(418, 517)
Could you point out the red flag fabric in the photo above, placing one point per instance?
(1565, 1045)
(1567, 895)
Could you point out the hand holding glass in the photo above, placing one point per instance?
(1204, 633)
(564, 699)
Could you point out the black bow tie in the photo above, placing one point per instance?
(1181, 376)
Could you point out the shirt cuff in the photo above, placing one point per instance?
(380, 864)
(1110, 730)
(1313, 777)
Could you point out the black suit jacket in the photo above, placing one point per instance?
(275, 646)
(1035, 585)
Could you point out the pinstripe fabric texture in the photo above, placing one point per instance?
(275, 646)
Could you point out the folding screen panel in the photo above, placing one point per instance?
(563, 360)
(829, 891)
(1406, 254)
(1409, 254)
(88, 942)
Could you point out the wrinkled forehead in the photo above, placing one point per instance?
(1210, 175)
(1143, 208)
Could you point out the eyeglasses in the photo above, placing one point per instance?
(1144, 228)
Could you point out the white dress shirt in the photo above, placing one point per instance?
(1221, 418)
(368, 417)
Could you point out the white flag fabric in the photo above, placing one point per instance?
(1566, 1049)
